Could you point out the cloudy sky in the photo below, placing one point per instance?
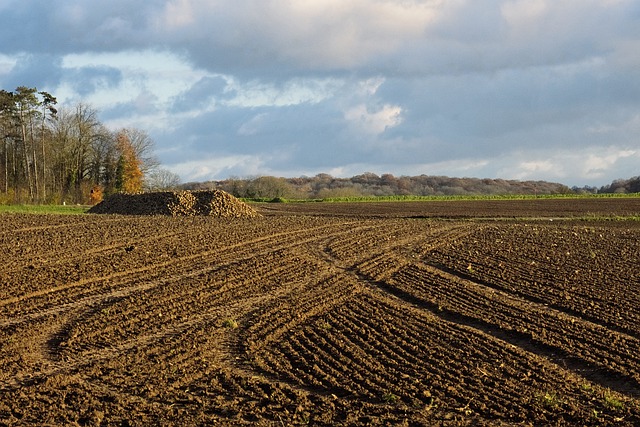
(515, 89)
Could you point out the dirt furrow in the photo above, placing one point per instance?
(74, 357)
(582, 278)
(353, 318)
(548, 370)
(521, 313)
(219, 255)
(581, 364)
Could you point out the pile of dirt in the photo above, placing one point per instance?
(216, 203)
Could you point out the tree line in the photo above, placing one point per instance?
(369, 184)
(324, 186)
(621, 186)
(56, 155)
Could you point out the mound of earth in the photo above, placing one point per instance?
(216, 203)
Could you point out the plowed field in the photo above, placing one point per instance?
(456, 313)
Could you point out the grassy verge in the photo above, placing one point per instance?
(44, 209)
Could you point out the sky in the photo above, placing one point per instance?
(512, 89)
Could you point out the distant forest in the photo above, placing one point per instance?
(622, 186)
(324, 186)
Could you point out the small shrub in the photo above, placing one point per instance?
(549, 400)
(390, 397)
(95, 196)
(586, 387)
(324, 325)
(230, 323)
(613, 402)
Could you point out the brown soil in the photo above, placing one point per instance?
(323, 315)
(453, 209)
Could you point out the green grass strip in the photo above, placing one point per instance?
(44, 209)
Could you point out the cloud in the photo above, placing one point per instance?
(88, 80)
(596, 165)
(34, 71)
(524, 88)
(254, 125)
(202, 94)
(586, 167)
(312, 35)
(524, 15)
(374, 122)
(227, 166)
(6, 64)
(279, 37)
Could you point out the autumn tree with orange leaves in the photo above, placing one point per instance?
(128, 172)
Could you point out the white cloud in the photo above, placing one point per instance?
(160, 72)
(524, 14)
(374, 121)
(148, 83)
(177, 14)
(528, 169)
(319, 34)
(218, 167)
(597, 165)
(6, 64)
(292, 92)
(590, 165)
(253, 126)
(344, 34)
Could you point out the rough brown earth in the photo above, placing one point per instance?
(324, 314)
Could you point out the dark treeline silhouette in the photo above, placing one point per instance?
(324, 186)
(622, 186)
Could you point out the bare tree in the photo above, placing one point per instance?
(27, 103)
(143, 147)
(75, 133)
(161, 179)
(8, 126)
(48, 102)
